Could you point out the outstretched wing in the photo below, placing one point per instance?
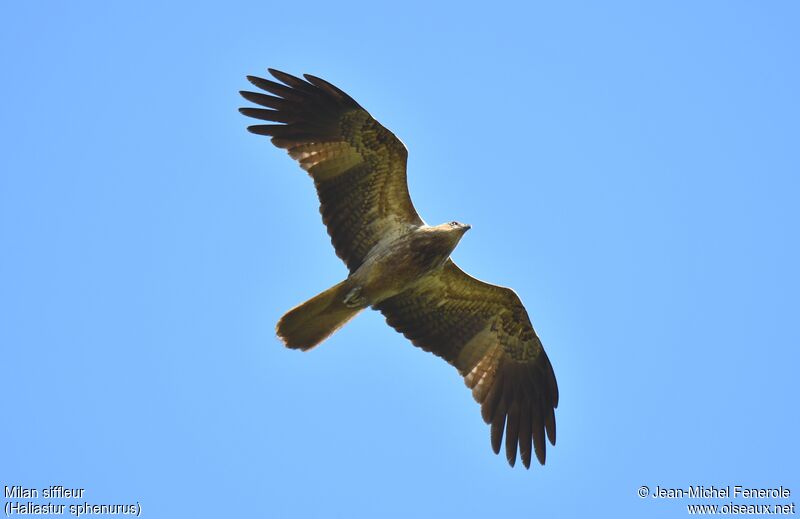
(484, 331)
(358, 166)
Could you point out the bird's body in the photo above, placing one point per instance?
(401, 266)
(394, 267)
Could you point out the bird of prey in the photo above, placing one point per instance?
(401, 266)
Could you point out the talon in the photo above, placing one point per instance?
(353, 299)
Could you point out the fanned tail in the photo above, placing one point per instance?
(310, 323)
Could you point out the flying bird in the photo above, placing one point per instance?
(401, 266)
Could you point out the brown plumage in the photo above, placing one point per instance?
(400, 266)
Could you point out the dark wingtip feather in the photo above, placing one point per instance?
(268, 101)
(295, 82)
(278, 89)
(332, 89)
(259, 129)
(541, 456)
(284, 77)
(498, 425)
(267, 115)
(550, 375)
(283, 143)
(521, 400)
(277, 73)
(512, 434)
(550, 426)
(489, 407)
(511, 457)
(525, 435)
(538, 441)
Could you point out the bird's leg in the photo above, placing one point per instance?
(354, 299)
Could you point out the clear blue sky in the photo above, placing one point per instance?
(630, 168)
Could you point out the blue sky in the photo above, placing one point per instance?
(630, 168)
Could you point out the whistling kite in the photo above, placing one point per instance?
(401, 266)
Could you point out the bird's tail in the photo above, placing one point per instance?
(310, 323)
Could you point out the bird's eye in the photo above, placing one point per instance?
(453, 224)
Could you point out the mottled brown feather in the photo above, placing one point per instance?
(484, 331)
(358, 166)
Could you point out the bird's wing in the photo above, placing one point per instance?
(358, 166)
(484, 331)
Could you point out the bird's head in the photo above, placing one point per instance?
(443, 237)
(456, 227)
(453, 230)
